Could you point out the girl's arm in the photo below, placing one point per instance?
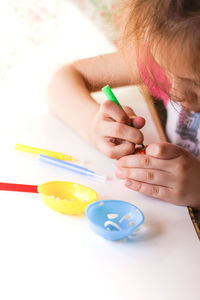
(69, 92)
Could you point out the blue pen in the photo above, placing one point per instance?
(70, 167)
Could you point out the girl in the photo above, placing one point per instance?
(160, 48)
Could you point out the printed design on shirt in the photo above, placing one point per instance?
(188, 124)
(187, 128)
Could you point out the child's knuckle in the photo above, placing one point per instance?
(144, 160)
(149, 175)
(154, 190)
(138, 186)
(111, 153)
(106, 107)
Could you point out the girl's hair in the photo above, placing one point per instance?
(170, 28)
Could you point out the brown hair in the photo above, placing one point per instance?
(165, 25)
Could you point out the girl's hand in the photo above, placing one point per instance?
(167, 172)
(111, 131)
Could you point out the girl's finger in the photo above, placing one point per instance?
(136, 121)
(145, 162)
(156, 191)
(110, 149)
(151, 176)
(149, 162)
(129, 111)
(111, 110)
(121, 131)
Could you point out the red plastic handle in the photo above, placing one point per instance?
(15, 187)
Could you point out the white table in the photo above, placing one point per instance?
(47, 255)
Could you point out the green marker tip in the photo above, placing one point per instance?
(110, 95)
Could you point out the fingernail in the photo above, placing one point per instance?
(119, 172)
(128, 182)
(153, 150)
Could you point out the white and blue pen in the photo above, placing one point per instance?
(70, 167)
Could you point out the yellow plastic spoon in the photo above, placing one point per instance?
(62, 196)
(67, 197)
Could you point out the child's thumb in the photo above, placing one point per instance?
(164, 150)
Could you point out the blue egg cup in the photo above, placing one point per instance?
(114, 219)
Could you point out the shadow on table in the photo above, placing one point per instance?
(146, 232)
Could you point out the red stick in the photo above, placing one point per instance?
(14, 187)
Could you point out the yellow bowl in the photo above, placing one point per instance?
(66, 197)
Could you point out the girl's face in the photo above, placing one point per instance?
(172, 80)
(185, 88)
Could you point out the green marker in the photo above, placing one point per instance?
(109, 94)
